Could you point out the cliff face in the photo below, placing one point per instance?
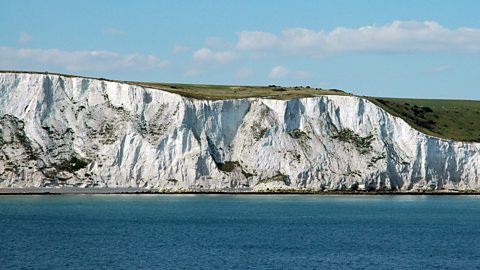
(63, 131)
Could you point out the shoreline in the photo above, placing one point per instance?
(139, 191)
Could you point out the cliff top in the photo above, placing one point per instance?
(220, 92)
(447, 119)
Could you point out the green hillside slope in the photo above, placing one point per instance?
(449, 119)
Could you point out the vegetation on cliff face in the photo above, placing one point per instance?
(278, 177)
(362, 144)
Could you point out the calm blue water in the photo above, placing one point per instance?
(239, 232)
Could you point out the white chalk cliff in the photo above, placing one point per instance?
(78, 132)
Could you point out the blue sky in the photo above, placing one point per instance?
(424, 49)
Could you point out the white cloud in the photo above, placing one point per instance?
(395, 37)
(180, 49)
(398, 36)
(278, 72)
(255, 40)
(11, 58)
(207, 55)
(24, 38)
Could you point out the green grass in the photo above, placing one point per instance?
(439, 103)
(223, 92)
(449, 119)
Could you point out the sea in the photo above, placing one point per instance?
(239, 232)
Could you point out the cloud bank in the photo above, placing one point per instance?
(279, 72)
(11, 58)
(256, 40)
(396, 37)
(207, 55)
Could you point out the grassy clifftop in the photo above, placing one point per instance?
(222, 92)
